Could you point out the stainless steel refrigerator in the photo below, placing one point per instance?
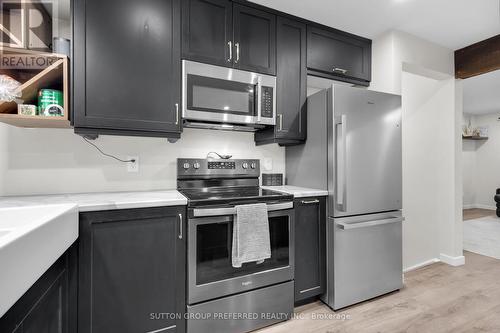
(353, 150)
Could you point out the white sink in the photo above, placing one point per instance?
(31, 239)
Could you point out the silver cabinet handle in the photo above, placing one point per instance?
(280, 122)
(350, 226)
(237, 52)
(177, 113)
(340, 70)
(180, 226)
(309, 202)
(341, 165)
(230, 44)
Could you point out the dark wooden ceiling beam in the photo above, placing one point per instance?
(478, 58)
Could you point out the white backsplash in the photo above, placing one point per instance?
(50, 161)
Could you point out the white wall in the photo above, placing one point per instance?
(482, 176)
(469, 163)
(422, 72)
(394, 48)
(41, 161)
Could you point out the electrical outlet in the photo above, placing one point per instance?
(133, 166)
(267, 164)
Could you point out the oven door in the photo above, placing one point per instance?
(225, 95)
(210, 271)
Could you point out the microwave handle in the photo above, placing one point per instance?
(258, 99)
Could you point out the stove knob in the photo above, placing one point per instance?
(186, 166)
(245, 165)
(196, 165)
(253, 165)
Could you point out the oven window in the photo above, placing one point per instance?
(222, 96)
(213, 251)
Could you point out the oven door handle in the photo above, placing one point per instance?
(203, 212)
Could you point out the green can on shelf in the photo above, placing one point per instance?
(50, 103)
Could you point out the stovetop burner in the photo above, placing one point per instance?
(223, 182)
(232, 195)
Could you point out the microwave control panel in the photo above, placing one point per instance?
(267, 102)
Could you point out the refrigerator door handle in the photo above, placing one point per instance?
(350, 226)
(341, 164)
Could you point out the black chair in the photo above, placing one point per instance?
(497, 199)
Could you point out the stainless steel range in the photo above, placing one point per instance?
(222, 298)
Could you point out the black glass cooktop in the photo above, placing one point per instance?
(224, 195)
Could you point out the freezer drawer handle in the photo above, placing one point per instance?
(350, 226)
(201, 212)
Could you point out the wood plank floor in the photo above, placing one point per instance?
(476, 213)
(437, 298)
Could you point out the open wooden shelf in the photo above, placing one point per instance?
(34, 121)
(55, 75)
(477, 138)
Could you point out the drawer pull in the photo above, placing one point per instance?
(309, 202)
(310, 289)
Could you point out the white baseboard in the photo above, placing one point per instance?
(453, 261)
(479, 206)
(420, 265)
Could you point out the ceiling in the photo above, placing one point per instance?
(450, 23)
(482, 94)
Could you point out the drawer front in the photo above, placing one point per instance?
(275, 302)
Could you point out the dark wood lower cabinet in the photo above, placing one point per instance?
(50, 305)
(131, 271)
(310, 247)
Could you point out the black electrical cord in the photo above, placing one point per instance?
(224, 157)
(107, 155)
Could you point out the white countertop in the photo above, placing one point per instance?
(31, 240)
(298, 192)
(87, 202)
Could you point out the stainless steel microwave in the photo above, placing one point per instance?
(218, 96)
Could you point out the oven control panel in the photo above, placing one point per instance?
(221, 165)
(267, 102)
(209, 168)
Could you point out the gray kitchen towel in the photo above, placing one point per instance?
(251, 241)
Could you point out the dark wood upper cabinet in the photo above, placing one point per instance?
(291, 85)
(254, 40)
(207, 31)
(132, 270)
(310, 247)
(339, 55)
(220, 32)
(127, 70)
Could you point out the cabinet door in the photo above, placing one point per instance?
(254, 40)
(339, 54)
(291, 80)
(131, 270)
(310, 271)
(207, 30)
(127, 65)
